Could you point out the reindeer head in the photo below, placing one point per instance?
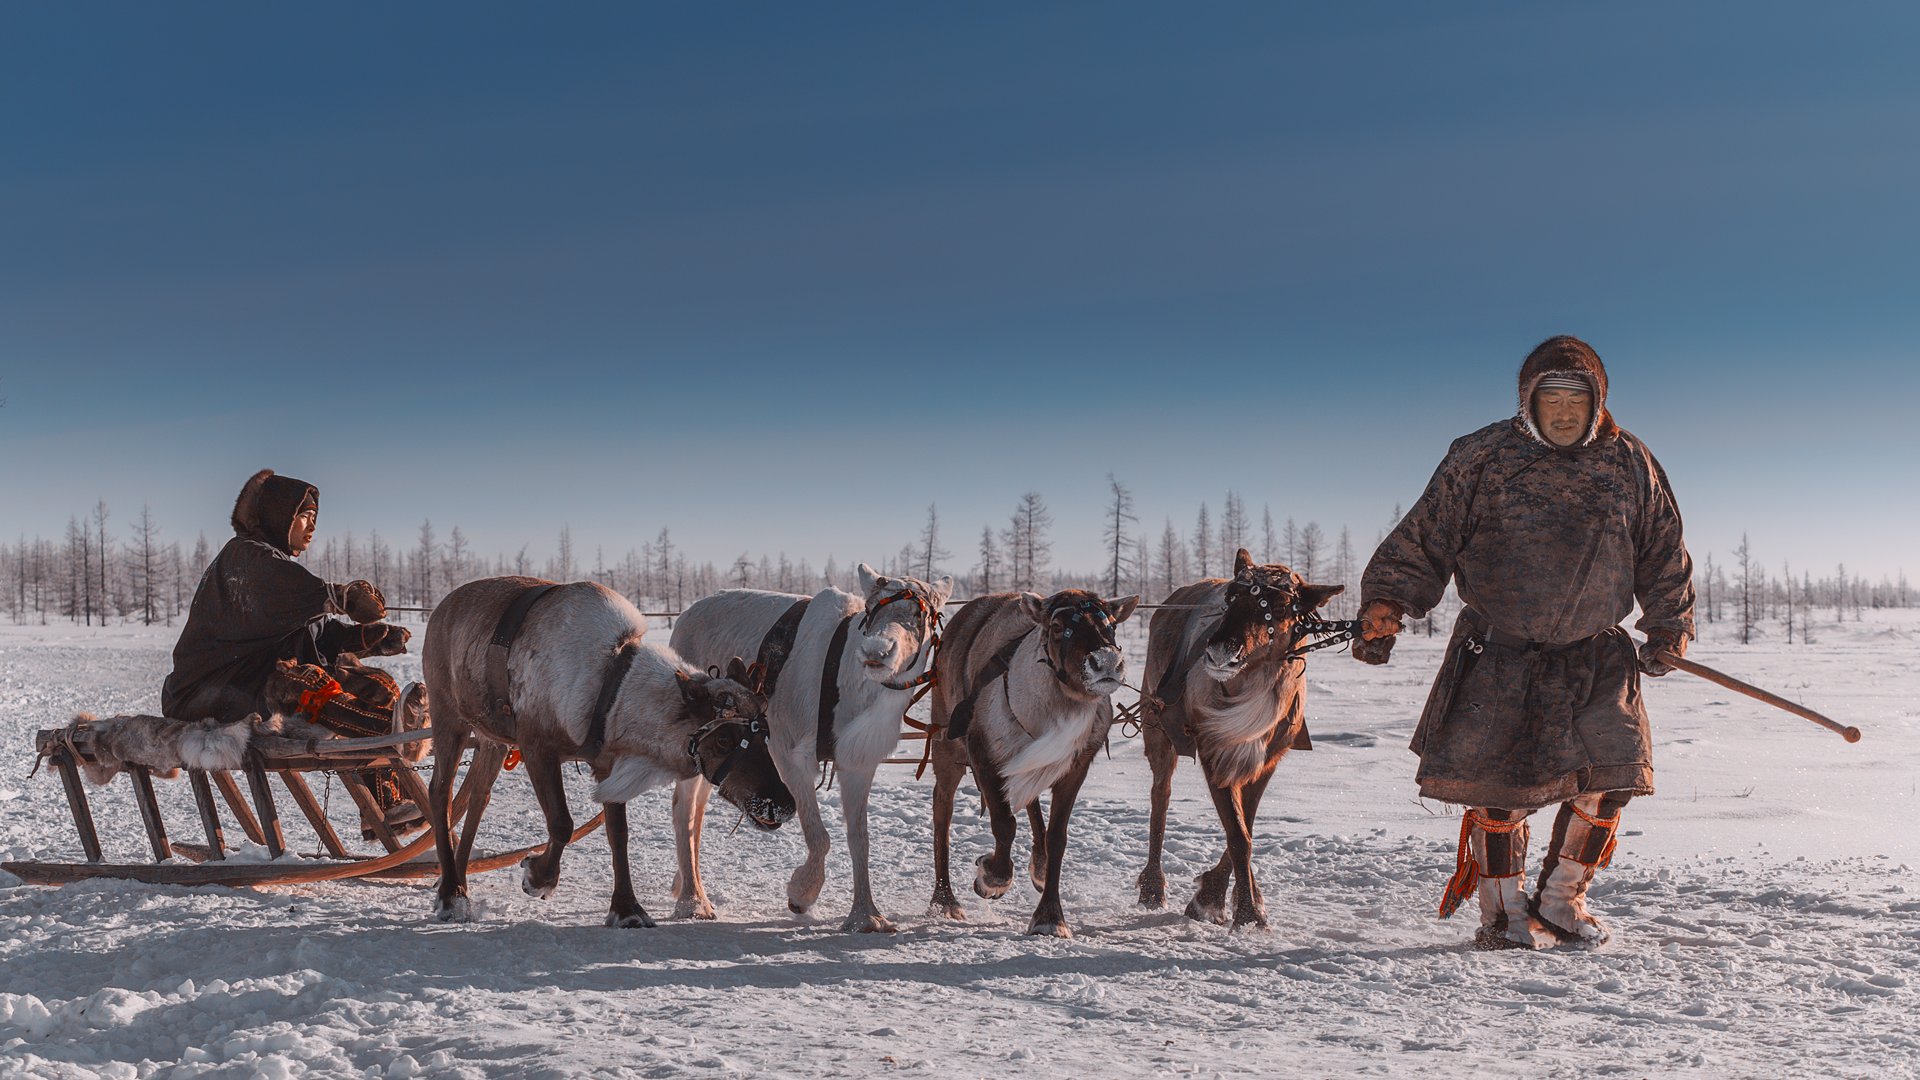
(729, 742)
(1077, 629)
(902, 615)
(1263, 605)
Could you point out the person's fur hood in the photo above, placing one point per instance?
(267, 505)
(1563, 354)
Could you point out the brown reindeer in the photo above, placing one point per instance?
(1021, 698)
(1223, 686)
(578, 654)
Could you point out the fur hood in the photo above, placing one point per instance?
(267, 505)
(1562, 354)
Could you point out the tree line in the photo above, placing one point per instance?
(99, 572)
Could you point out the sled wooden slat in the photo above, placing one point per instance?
(150, 812)
(411, 785)
(77, 803)
(310, 806)
(369, 809)
(209, 814)
(411, 861)
(263, 802)
(230, 791)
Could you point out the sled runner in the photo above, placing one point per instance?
(69, 751)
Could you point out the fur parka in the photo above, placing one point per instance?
(1552, 545)
(256, 606)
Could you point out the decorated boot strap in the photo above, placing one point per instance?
(1607, 827)
(1467, 872)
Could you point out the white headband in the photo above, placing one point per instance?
(1565, 380)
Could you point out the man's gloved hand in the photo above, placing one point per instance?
(392, 643)
(362, 602)
(1659, 641)
(1379, 622)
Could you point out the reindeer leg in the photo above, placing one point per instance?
(487, 759)
(1209, 903)
(1048, 918)
(855, 786)
(450, 895)
(803, 887)
(1037, 864)
(540, 873)
(949, 768)
(1161, 756)
(1226, 800)
(624, 911)
(689, 817)
(1249, 906)
(993, 874)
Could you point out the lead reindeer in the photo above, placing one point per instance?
(559, 671)
(1226, 685)
(1021, 698)
(842, 671)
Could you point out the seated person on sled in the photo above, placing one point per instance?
(261, 637)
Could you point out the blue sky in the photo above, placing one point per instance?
(779, 276)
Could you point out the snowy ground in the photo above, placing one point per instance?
(1765, 903)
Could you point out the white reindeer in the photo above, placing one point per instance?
(887, 640)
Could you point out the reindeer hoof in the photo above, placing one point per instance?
(637, 920)
(527, 884)
(984, 883)
(947, 909)
(1050, 929)
(1213, 913)
(867, 924)
(457, 910)
(693, 909)
(1254, 915)
(1153, 892)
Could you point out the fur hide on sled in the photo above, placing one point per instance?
(166, 745)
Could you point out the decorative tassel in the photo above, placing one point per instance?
(1466, 874)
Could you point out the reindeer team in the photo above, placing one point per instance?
(757, 692)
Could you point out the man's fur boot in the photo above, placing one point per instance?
(1584, 835)
(1493, 864)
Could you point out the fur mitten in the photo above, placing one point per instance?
(1373, 652)
(363, 602)
(385, 640)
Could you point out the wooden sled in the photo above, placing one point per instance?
(289, 759)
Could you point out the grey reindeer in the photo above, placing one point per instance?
(577, 656)
(1021, 699)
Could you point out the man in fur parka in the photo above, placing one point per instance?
(261, 636)
(1551, 525)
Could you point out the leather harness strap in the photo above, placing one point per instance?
(961, 716)
(499, 703)
(830, 691)
(777, 646)
(609, 689)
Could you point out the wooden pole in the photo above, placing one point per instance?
(149, 811)
(209, 814)
(77, 802)
(1845, 731)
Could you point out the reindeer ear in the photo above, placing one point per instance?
(693, 688)
(870, 582)
(737, 670)
(1312, 596)
(942, 592)
(1035, 606)
(1242, 562)
(1124, 607)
